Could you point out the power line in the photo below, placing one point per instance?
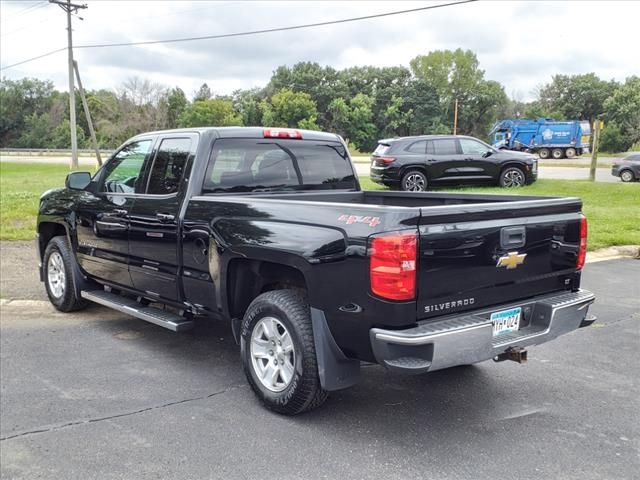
(30, 8)
(251, 32)
(277, 29)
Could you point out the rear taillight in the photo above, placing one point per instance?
(282, 133)
(582, 250)
(392, 265)
(387, 160)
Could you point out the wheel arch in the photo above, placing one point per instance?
(247, 278)
(48, 230)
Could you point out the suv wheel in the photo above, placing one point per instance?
(414, 181)
(60, 276)
(627, 176)
(512, 177)
(278, 352)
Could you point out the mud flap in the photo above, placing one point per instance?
(335, 370)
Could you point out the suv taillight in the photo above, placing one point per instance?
(392, 265)
(582, 250)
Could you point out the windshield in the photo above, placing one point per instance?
(249, 165)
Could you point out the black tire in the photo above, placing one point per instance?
(544, 153)
(414, 181)
(512, 177)
(290, 309)
(557, 153)
(627, 176)
(570, 152)
(58, 257)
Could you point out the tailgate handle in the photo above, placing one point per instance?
(513, 237)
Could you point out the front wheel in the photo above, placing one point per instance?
(627, 176)
(278, 352)
(60, 275)
(512, 177)
(414, 181)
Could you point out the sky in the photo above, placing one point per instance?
(521, 44)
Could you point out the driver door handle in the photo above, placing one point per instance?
(165, 217)
(119, 212)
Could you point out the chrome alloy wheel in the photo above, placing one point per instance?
(273, 355)
(513, 178)
(56, 275)
(414, 183)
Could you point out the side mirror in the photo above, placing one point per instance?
(487, 154)
(78, 180)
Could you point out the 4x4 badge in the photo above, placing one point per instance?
(511, 260)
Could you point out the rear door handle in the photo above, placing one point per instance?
(165, 217)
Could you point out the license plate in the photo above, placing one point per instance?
(506, 321)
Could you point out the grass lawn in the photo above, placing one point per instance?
(20, 188)
(613, 209)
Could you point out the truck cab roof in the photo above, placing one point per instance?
(248, 132)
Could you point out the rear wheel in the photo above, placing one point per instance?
(570, 152)
(544, 153)
(278, 352)
(557, 153)
(414, 181)
(512, 177)
(627, 176)
(61, 276)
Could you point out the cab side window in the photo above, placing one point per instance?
(123, 172)
(169, 166)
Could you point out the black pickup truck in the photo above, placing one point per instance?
(269, 230)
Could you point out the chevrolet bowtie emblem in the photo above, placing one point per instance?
(511, 260)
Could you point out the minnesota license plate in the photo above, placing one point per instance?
(506, 321)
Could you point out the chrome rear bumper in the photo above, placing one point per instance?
(467, 339)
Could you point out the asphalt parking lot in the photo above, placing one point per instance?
(98, 394)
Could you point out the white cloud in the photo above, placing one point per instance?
(520, 44)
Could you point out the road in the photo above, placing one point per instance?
(99, 395)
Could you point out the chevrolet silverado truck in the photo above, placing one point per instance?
(268, 230)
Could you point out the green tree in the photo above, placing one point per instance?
(214, 113)
(362, 130)
(337, 117)
(623, 109)
(321, 83)
(19, 100)
(293, 109)
(456, 75)
(576, 97)
(203, 93)
(176, 104)
(247, 103)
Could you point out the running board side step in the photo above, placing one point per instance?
(129, 306)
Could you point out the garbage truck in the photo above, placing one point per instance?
(546, 137)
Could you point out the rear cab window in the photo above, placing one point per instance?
(246, 165)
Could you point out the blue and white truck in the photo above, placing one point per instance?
(544, 136)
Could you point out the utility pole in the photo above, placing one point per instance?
(70, 8)
(595, 146)
(87, 114)
(455, 118)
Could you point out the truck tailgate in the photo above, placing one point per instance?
(479, 255)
